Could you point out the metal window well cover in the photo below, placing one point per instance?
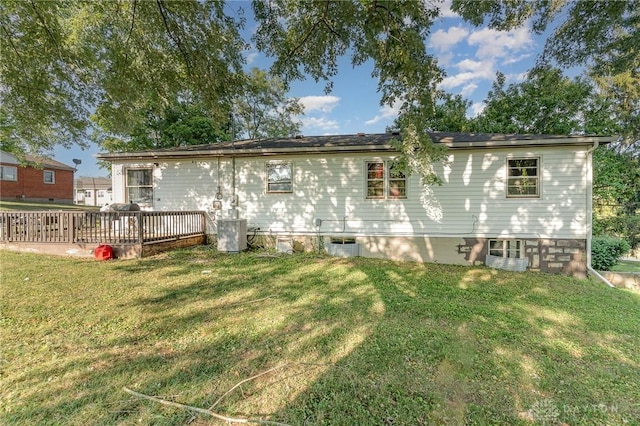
(507, 263)
(343, 250)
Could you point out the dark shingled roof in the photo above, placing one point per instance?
(349, 143)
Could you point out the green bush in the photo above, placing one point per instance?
(606, 250)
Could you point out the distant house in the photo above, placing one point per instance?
(37, 179)
(90, 191)
(520, 201)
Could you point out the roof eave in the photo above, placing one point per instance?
(255, 152)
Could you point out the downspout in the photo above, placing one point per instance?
(590, 214)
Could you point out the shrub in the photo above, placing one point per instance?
(606, 250)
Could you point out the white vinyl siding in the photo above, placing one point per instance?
(471, 202)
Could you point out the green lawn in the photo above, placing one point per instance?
(627, 266)
(8, 206)
(340, 342)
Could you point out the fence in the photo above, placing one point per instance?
(100, 227)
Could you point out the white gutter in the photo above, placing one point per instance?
(590, 214)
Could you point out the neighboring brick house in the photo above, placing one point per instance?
(93, 191)
(35, 179)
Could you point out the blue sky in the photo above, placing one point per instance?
(469, 55)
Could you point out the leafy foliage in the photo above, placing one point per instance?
(62, 60)
(616, 194)
(307, 39)
(606, 250)
(545, 103)
(263, 109)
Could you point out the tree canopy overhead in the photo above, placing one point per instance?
(63, 60)
(127, 60)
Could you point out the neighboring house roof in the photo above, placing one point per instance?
(84, 183)
(32, 160)
(352, 143)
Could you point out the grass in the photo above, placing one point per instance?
(353, 341)
(627, 266)
(8, 206)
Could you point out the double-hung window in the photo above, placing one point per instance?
(8, 173)
(49, 176)
(279, 177)
(523, 177)
(385, 179)
(140, 186)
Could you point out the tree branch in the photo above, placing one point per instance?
(176, 39)
(200, 410)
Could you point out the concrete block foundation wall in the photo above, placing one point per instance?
(559, 256)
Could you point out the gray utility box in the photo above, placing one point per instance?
(232, 235)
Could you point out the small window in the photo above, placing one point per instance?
(8, 173)
(506, 248)
(88, 194)
(139, 186)
(279, 177)
(385, 180)
(49, 176)
(523, 178)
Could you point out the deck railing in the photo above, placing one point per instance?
(100, 227)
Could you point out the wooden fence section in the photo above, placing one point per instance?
(73, 227)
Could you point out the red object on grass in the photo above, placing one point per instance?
(103, 252)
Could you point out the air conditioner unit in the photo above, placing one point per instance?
(232, 235)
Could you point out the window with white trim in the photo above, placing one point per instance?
(8, 173)
(385, 180)
(279, 177)
(49, 176)
(506, 248)
(139, 186)
(523, 177)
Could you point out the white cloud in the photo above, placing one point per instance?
(471, 71)
(468, 89)
(514, 59)
(386, 112)
(322, 123)
(446, 12)
(319, 103)
(500, 44)
(251, 57)
(477, 108)
(444, 40)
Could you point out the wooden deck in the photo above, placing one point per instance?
(131, 234)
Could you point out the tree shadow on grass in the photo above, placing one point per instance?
(357, 341)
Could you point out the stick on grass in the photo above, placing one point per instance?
(200, 410)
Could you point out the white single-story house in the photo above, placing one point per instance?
(519, 201)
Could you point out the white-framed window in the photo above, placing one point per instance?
(88, 194)
(279, 177)
(506, 248)
(385, 180)
(8, 173)
(139, 186)
(49, 176)
(523, 177)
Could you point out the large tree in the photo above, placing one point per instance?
(603, 36)
(263, 109)
(63, 60)
(546, 102)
